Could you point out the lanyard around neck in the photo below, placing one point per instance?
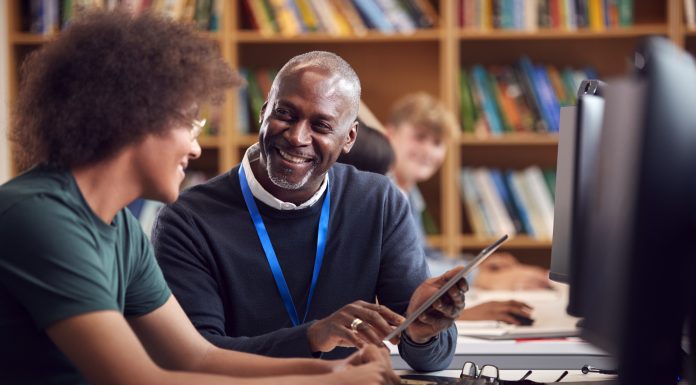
(270, 252)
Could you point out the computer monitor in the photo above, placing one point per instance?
(638, 237)
(580, 130)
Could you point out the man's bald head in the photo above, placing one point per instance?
(329, 63)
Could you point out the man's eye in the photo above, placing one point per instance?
(282, 112)
(321, 126)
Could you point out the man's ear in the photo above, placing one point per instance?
(350, 138)
(262, 112)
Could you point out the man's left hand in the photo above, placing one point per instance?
(442, 313)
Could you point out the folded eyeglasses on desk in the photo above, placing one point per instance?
(471, 374)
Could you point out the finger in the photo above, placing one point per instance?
(435, 318)
(373, 315)
(456, 296)
(347, 334)
(367, 333)
(390, 316)
(520, 304)
(463, 285)
(513, 310)
(448, 275)
(507, 318)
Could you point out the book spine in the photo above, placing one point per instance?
(489, 108)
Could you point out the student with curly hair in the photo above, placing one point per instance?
(106, 114)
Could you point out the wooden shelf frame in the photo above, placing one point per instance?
(430, 60)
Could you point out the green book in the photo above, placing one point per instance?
(467, 110)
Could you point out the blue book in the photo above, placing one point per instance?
(548, 98)
(529, 73)
(517, 202)
(480, 77)
(243, 122)
(504, 194)
(373, 13)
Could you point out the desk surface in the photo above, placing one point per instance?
(542, 376)
(539, 354)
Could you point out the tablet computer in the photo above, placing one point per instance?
(466, 270)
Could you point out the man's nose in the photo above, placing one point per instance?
(299, 134)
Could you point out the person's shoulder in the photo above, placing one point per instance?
(351, 176)
(216, 189)
(36, 191)
(35, 183)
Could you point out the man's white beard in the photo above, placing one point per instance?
(283, 183)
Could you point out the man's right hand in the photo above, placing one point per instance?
(335, 330)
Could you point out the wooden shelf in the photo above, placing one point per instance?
(516, 242)
(36, 38)
(209, 141)
(245, 36)
(247, 140)
(30, 38)
(429, 60)
(437, 241)
(521, 139)
(552, 34)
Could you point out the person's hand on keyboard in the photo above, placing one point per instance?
(512, 312)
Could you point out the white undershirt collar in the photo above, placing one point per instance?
(252, 154)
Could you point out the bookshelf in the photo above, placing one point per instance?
(391, 65)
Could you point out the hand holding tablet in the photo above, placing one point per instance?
(414, 315)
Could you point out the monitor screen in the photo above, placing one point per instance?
(637, 247)
(580, 130)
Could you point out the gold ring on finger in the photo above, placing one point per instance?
(356, 324)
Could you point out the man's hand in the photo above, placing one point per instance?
(442, 313)
(497, 311)
(375, 323)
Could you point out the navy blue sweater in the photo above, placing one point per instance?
(213, 261)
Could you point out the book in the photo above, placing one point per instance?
(480, 77)
(372, 12)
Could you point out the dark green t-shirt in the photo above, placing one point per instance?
(58, 260)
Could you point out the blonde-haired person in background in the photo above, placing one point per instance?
(419, 130)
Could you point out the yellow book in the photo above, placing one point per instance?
(285, 17)
(307, 14)
(596, 11)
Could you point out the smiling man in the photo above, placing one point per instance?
(285, 254)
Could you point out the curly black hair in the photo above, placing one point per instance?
(107, 81)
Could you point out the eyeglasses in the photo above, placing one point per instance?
(196, 128)
(488, 373)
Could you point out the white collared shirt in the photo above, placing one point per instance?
(252, 154)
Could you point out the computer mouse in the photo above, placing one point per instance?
(523, 321)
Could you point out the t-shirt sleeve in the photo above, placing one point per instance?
(147, 289)
(50, 263)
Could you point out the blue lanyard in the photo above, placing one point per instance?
(270, 253)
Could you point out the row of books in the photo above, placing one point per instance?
(523, 97)
(528, 15)
(337, 17)
(509, 202)
(50, 16)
